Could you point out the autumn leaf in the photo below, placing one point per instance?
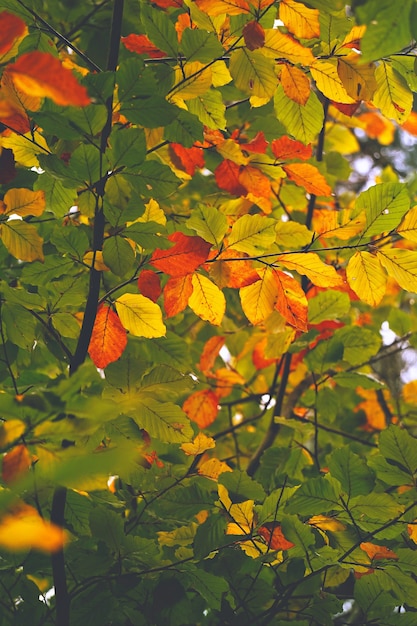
(142, 45)
(308, 176)
(149, 285)
(16, 464)
(140, 316)
(376, 552)
(202, 407)
(272, 533)
(358, 78)
(401, 265)
(366, 277)
(254, 35)
(291, 301)
(259, 299)
(328, 81)
(212, 468)
(295, 83)
(108, 339)
(177, 292)
(215, 8)
(285, 148)
(186, 159)
(309, 264)
(227, 178)
(258, 144)
(24, 202)
(22, 240)
(207, 300)
(41, 74)
(12, 28)
(23, 529)
(10, 431)
(299, 19)
(279, 45)
(210, 352)
(185, 256)
(200, 444)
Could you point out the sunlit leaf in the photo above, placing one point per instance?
(295, 83)
(12, 29)
(328, 81)
(177, 292)
(200, 444)
(303, 122)
(16, 464)
(358, 78)
(408, 226)
(291, 301)
(279, 45)
(376, 552)
(210, 352)
(309, 264)
(384, 205)
(108, 339)
(392, 95)
(366, 277)
(192, 80)
(202, 407)
(253, 73)
(252, 234)
(142, 45)
(299, 19)
(259, 299)
(207, 300)
(24, 529)
(22, 240)
(185, 256)
(308, 176)
(140, 316)
(221, 7)
(401, 265)
(149, 285)
(24, 202)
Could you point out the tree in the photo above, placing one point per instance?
(201, 423)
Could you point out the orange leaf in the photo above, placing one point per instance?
(254, 35)
(226, 378)
(308, 176)
(291, 301)
(258, 144)
(177, 292)
(377, 552)
(300, 20)
(142, 45)
(202, 407)
(234, 274)
(285, 148)
(149, 285)
(271, 532)
(222, 7)
(227, 178)
(108, 339)
(40, 74)
(210, 352)
(186, 159)
(24, 529)
(411, 124)
(11, 29)
(255, 181)
(164, 4)
(258, 355)
(295, 83)
(16, 463)
(183, 257)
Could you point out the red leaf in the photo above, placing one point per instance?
(347, 109)
(227, 178)
(274, 537)
(142, 45)
(187, 159)
(376, 552)
(285, 148)
(258, 144)
(7, 166)
(40, 74)
(291, 301)
(108, 339)
(239, 273)
(11, 28)
(149, 285)
(16, 463)
(177, 292)
(164, 4)
(254, 35)
(201, 407)
(210, 352)
(184, 257)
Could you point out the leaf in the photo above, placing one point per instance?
(128, 147)
(26, 147)
(254, 35)
(227, 176)
(210, 352)
(401, 265)
(10, 431)
(252, 234)
(185, 256)
(202, 407)
(22, 240)
(366, 277)
(376, 552)
(108, 339)
(16, 464)
(140, 316)
(200, 444)
(253, 73)
(308, 176)
(207, 300)
(351, 471)
(241, 487)
(295, 83)
(40, 74)
(279, 45)
(327, 79)
(387, 30)
(399, 448)
(302, 122)
(285, 148)
(199, 45)
(142, 45)
(380, 507)
(272, 534)
(408, 226)
(209, 223)
(328, 305)
(316, 496)
(393, 95)
(210, 109)
(23, 529)
(12, 29)
(177, 292)
(259, 299)
(118, 255)
(163, 420)
(193, 80)
(24, 202)
(384, 205)
(160, 30)
(309, 264)
(186, 129)
(215, 8)
(300, 20)
(357, 77)
(359, 343)
(291, 301)
(149, 285)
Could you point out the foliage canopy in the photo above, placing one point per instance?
(200, 423)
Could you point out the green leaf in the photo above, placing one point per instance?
(128, 147)
(399, 448)
(165, 383)
(160, 30)
(200, 45)
(59, 199)
(19, 325)
(302, 122)
(108, 527)
(210, 535)
(327, 6)
(300, 534)
(186, 129)
(163, 420)
(387, 30)
(328, 305)
(77, 512)
(351, 471)
(171, 349)
(252, 234)
(241, 487)
(135, 80)
(359, 344)
(380, 507)
(209, 223)
(352, 380)
(210, 109)
(118, 255)
(316, 496)
(153, 180)
(385, 205)
(85, 163)
(253, 73)
(211, 588)
(71, 240)
(150, 112)
(144, 233)
(373, 599)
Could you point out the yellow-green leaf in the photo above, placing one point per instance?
(401, 265)
(358, 78)
(26, 147)
(140, 316)
(22, 240)
(309, 264)
(252, 234)
(367, 277)
(192, 80)
(279, 45)
(253, 73)
(207, 300)
(303, 122)
(393, 95)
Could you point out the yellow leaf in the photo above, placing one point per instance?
(309, 264)
(24, 529)
(412, 531)
(410, 392)
(191, 80)
(401, 265)
(152, 213)
(408, 227)
(213, 468)
(140, 316)
(326, 523)
(10, 431)
(259, 298)
(99, 264)
(207, 300)
(230, 150)
(182, 536)
(328, 81)
(253, 73)
(200, 444)
(24, 202)
(366, 277)
(284, 46)
(26, 147)
(295, 83)
(338, 224)
(353, 38)
(220, 74)
(22, 240)
(223, 7)
(340, 139)
(241, 513)
(393, 96)
(299, 20)
(357, 78)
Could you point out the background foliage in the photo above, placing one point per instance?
(207, 216)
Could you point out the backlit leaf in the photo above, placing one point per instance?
(285, 148)
(149, 285)
(300, 20)
(222, 7)
(210, 352)
(303, 122)
(252, 234)
(209, 108)
(254, 35)
(177, 292)
(108, 339)
(41, 74)
(295, 83)
(192, 80)
(258, 299)
(209, 223)
(253, 73)
(24, 202)
(10, 431)
(308, 176)
(164, 421)
(16, 464)
(408, 226)
(377, 552)
(207, 300)
(142, 45)
(358, 78)
(291, 301)
(140, 316)
(200, 444)
(309, 264)
(366, 277)
(202, 407)
(384, 205)
(12, 28)
(328, 81)
(279, 45)
(272, 533)
(387, 30)
(22, 240)
(401, 265)
(392, 95)
(24, 529)
(328, 305)
(185, 256)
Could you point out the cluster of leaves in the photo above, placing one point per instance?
(200, 423)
